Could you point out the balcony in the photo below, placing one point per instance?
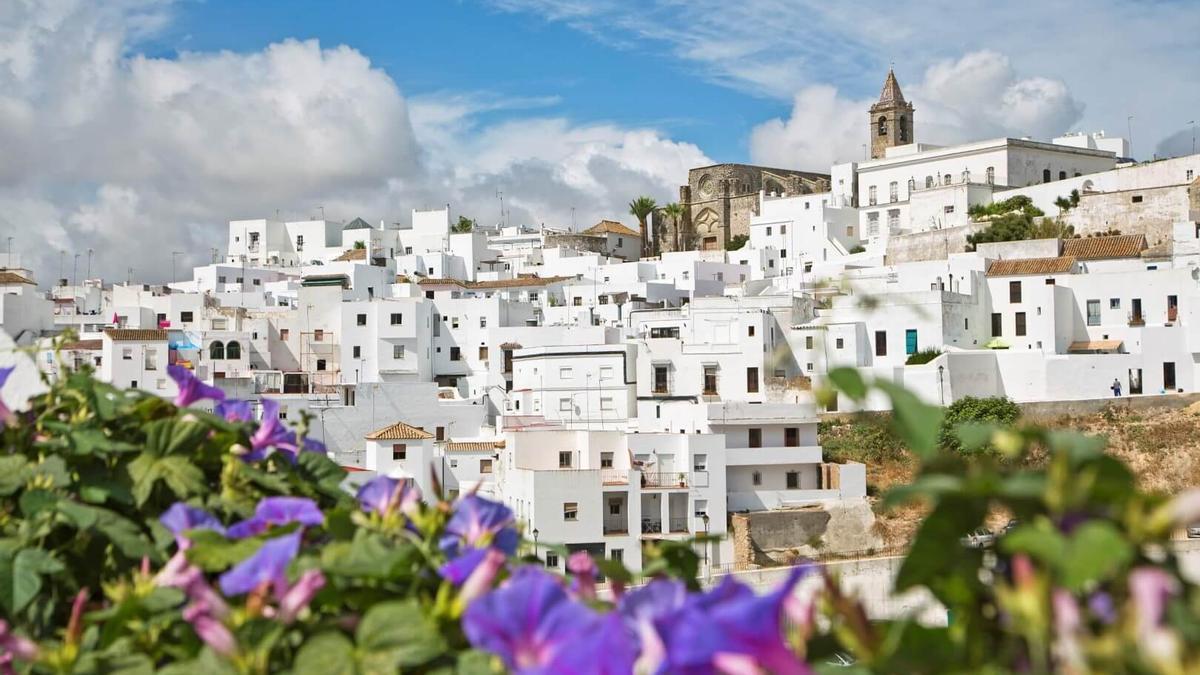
(664, 479)
(1137, 320)
(614, 477)
(615, 529)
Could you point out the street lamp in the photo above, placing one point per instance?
(704, 517)
(535, 536)
(941, 385)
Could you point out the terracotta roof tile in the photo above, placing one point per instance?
(1100, 248)
(399, 431)
(472, 446)
(83, 345)
(1025, 266)
(1084, 346)
(7, 277)
(611, 226)
(499, 283)
(352, 254)
(136, 334)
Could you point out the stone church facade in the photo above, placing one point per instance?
(719, 200)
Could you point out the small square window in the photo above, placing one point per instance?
(397, 351)
(485, 466)
(1114, 303)
(564, 459)
(397, 318)
(841, 343)
(357, 352)
(551, 559)
(570, 511)
(362, 319)
(399, 451)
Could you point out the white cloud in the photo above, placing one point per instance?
(122, 153)
(975, 97)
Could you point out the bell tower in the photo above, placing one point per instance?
(891, 118)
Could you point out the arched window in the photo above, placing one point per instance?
(912, 185)
(966, 176)
(216, 351)
(893, 191)
(946, 179)
(903, 129)
(1045, 175)
(991, 175)
(928, 181)
(233, 350)
(1062, 175)
(882, 125)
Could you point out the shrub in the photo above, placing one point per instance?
(857, 248)
(995, 410)
(922, 357)
(736, 242)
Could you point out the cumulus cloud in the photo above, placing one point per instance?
(111, 150)
(977, 96)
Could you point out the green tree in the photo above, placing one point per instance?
(360, 245)
(1008, 227)
(641, 208)
(464, 224)
(736, 242)
(993, 410)
(674, 212)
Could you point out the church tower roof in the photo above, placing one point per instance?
(891, 95)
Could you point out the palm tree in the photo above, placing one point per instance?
(674, 211)
(640, 208)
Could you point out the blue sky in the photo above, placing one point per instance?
(161, 120)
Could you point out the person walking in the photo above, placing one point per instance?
(1116, 387)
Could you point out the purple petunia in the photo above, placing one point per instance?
(385, 495)
(534, 626)
(477, 524)
(299, 595)
(277, 511)
(267, 566)
(180, 518)
(234, 410)
(191, 388)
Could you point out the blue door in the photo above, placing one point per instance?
(910, 341)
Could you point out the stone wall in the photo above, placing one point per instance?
(929, 245)
(768, 538)
(1154, 216)
(582, 242)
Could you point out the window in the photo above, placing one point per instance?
(700, 463)
(754, 437)
(996, 325)
(881, 343)
(1062, 175)
(1045, 175)
(483, 353)
(966, 176)
(893, 191)
(946, 179)
(710, 380)
(320, 364)
(318, 335)
(577, 301)
(606, 373)
(221, 278)
(397, 351)
(357, 352)
(808, 342)
(216, 351)
(1136, 199)
(483, 322)
(1020, 323)
(701, 508)
(257, 281)
(454, 322)
(570, 511)
(791, 437)
(551, 559)
(912, 185)
(397, 318)
(840, 343)
(882, 125)
(910, 341)
(614, 507)
(752, 380)
(660, 379)
(233, 350)
(783, 228)
(485, 466)
(1114, 303)
(872, 224)
(284, 333)
(399, 451)
(1190, 173)
(793, 480)
(928, 181)
(564, 459)
(361, 319)
(606, 404)
(617, 554)
(893, 220)
(564, 405)
(756, 478)
(768, 230)
(990, 175)
(1014, 291)
(127, 354)
(455, 354)
(566, 373)
(1093, 312)
(872, 198)
(948, 209)
(750, 331)
(185, 317)
(606, 460)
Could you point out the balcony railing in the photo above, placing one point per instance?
(664, 479)
(1137, 320)
(651, 526)
(614, 476)
(679, 524)
(616, 528)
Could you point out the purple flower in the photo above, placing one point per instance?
(299, 595)
(482, 575)
(276, 511)
(270, 434)
(477, 523)
(535, 627)
(210, 629)
(385, 495)
(1067, 625)
(191, 389)
(14, 646)
(267, 566)
(5, 413)
(234, 410)
(643, 608)
(180, 518)
(1100, 604)
(583, 568)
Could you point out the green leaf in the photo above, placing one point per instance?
(126, 536)
(21, 577)
(475, 662)
(174, 436)
(326, 654)
(54, 469)
(369, 555)
(915, 422)
(398, 633)
(95, 441)
(182, 476)
(850, 382)
(932, 485)
(1095, 551)
(212, 552)
(34, 501)
(1042, 543)
(937, 553)
(12, 473)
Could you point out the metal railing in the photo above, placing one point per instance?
(679, 524)
(616, 528)
(614, 476)
(651, 526)
(664, 479)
